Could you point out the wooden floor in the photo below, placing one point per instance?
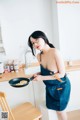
(74, 115)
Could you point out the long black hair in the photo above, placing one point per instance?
(36, 35)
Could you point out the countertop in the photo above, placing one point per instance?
(11, 75)
(21, 73)
(72, 68)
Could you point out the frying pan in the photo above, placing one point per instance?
(20, 82)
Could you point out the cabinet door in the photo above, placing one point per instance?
(74, 102)
(39, 92)
(16, 96)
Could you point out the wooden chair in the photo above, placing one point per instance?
(25, 111)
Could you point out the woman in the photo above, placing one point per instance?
(52, 73)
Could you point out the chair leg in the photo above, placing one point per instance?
(5, 107)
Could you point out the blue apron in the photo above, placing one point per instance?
(56, 99)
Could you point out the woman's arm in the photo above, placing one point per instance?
(60, 63)
(41, 77)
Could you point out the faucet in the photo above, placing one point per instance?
(27, 63)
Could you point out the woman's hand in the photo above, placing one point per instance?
(38, 77)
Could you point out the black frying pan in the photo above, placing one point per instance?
(20, 82)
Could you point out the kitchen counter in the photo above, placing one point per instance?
(72, 65)
(72, 68)
(11, 75)
(21, 73)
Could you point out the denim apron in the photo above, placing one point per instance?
(57, 93)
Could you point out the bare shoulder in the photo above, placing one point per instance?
(54, 51)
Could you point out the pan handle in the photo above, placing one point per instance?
(31, 78)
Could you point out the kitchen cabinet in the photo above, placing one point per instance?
(16, 96)
(74, 103)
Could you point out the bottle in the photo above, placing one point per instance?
(11, 67)
(6, 68)
(16, 68)
(16, 65)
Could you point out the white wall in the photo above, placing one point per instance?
(19, 18)
(59, 21)
(55, 31)
(69, 30)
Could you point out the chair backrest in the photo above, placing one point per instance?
(5, 107)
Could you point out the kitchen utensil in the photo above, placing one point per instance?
(20, 82)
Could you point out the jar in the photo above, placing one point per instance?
(16, 67)
(6, 68)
